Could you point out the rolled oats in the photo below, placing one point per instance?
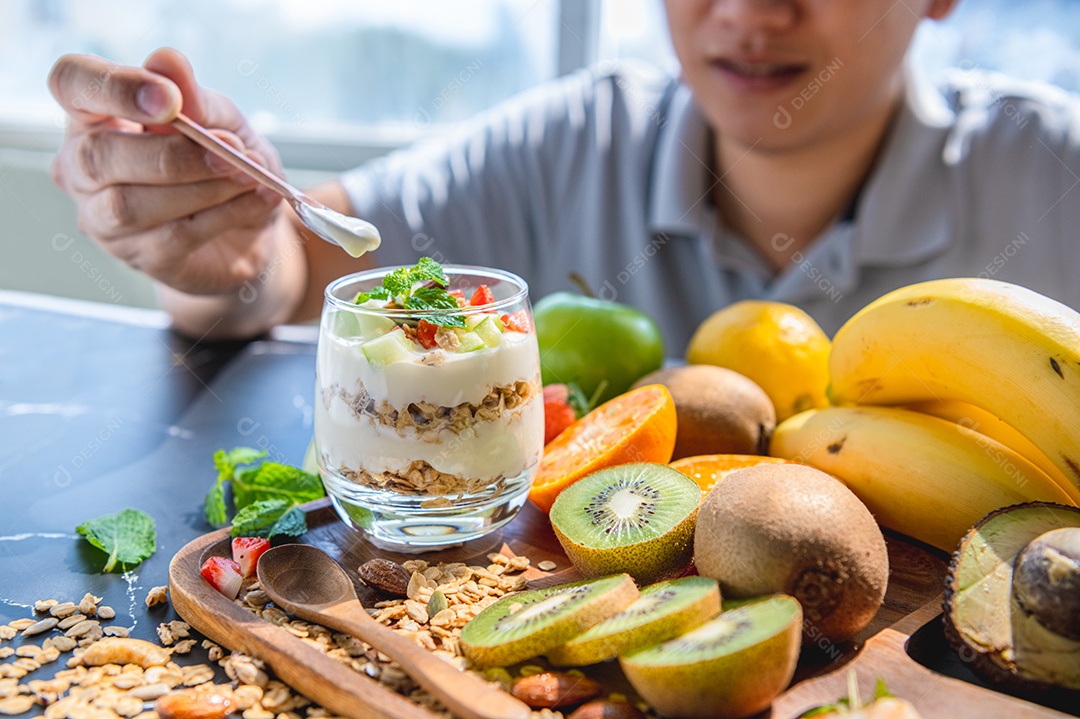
(106, 612)
(62, 643)
(69, 621)
(88, 604)
(43, 605)
(82, 628)
(19, 704)
(7, 632)
(196, 674)
(63, 609)
(29, 630)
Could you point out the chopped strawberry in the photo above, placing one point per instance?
(425, 334)
(458, 295)
(516, 321)
(558, 414)
(246, 552)
(482, 296)
(223, 575)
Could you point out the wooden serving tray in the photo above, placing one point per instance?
(912, 601)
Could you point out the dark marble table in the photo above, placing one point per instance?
(103, 408)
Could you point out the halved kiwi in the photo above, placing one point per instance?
(728, 668)
(663, 611)
(634, 518)
(524, 625)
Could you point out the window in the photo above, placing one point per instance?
(299, 69)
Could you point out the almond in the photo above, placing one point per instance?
(386, 576)
(604, 709)
(555, 689)
(195, 704)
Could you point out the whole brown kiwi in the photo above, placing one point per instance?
(719, 411)
(794, 529)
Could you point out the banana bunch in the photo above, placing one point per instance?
(990, 375)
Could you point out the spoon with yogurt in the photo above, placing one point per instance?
(352, 234)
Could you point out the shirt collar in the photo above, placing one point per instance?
(898, 220)
(900, 192)
(680, 179)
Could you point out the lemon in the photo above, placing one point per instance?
(778, 346)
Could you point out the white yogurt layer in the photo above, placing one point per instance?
(447, 381)
(503, 447)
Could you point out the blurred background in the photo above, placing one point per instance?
(337, 82)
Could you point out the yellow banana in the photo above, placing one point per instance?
(925, 477)
(998, 346)
(968, 416)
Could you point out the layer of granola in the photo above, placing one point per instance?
(420, 478)
(426, 420)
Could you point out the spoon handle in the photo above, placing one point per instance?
(464, 694)
(230, 154)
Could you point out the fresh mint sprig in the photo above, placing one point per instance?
(420, 287)
(266, 495)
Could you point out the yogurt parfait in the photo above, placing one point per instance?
(429, 412)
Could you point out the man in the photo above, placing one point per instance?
(795, 160)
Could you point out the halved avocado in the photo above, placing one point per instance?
(1004, 640)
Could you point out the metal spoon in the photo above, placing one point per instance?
(353, 235)
(304, 580)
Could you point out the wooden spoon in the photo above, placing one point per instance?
(306, 581)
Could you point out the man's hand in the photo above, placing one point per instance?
(152, 197)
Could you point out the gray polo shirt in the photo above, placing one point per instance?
(604, 174)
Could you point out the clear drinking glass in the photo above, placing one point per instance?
(421, 448)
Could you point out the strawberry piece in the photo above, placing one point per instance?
(558, 414)
(246, 552)
(425, 334)
(516, 321)
(482, 296)
(223, 575)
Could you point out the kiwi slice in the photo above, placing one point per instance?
(633, 518)
(524, 625)
(728, 668)
(663, 611)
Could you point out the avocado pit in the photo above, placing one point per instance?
(1046, 580)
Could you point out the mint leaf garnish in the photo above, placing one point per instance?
(266, 495)
(226, 463)
(880, 690)
(269, 518)
(214, 505)
(271, 480)
(428, 270)
(128, 537)
(420, 287)
(378, 293)
(436, 298)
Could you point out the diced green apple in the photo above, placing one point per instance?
(489, 331)
(388, 348)
(470, 342)
(373, 325)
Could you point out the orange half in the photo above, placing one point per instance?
(708, 469)
(638, 426)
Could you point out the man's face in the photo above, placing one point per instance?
(781, 74)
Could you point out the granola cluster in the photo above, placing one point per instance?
(420, 478)
(425, 420)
